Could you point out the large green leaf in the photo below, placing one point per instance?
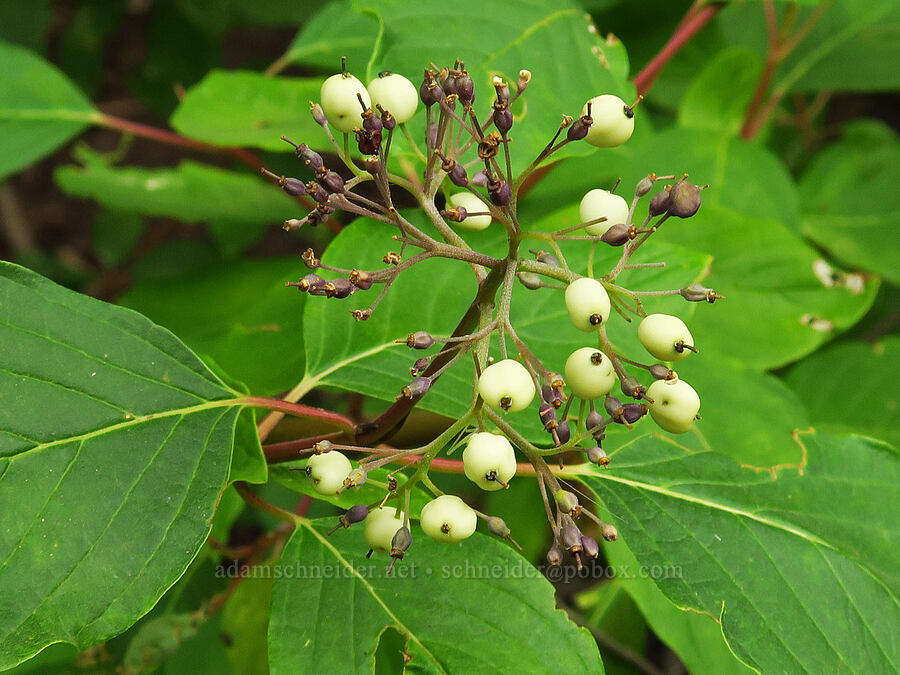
(800, 565)
(242, 316)
(115, 446)
(851, 206)
(558, 43)
(247, 108)
(236, 206)
(852, 386)
(40, 109)
(462, 608)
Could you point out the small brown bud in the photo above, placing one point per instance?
(419, 340)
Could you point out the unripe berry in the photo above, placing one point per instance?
(613, 121)
(472, 204)
(665, 337)
(589, 547)
(659, 203)
(675, 405)
(328, 472)
(602, 204)
(563, 432)
(588, 304)
(381, 526)
(340, 103)
(489, 461)
(598, 456)
(590, 373)
(506, 385)
(684, 199)
(500, 193)
(448, 518)
(396, 94)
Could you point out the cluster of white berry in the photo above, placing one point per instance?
(508, 384)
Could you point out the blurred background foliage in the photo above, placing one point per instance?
(801, 221)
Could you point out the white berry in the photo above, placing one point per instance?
(588, 304)
(381, 526)
(328, 471)
(675, 405)
(613, 121)
(340, 104)
(506, 385)
(590, 373)
(448, 518)
(472, 204)
(665, 337)
(602, 204)
(489, 460)
(395, 94)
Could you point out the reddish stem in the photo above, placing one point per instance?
(697, 17)
(171, 138)
(300, 410)
(780, 46)
(288, 451)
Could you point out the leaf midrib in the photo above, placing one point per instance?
(209, 405)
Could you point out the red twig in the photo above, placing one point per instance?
(300, 410)
(696, 18)
(781, 43)
(288, 451)
(171, 138)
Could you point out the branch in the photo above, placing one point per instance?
(698, 16)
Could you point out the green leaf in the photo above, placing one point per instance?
(236, 206)
(853, 47)
(718, 97)
(334, 31)
(242, 316)
(558, 43)
(852, 386)
(850, 204)
(462, 607)
(40, 109)
(247, 108)
(696, 638)
(799, 565)
(115, 445)
(777, 309)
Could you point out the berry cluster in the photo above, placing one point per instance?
(467, 184)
